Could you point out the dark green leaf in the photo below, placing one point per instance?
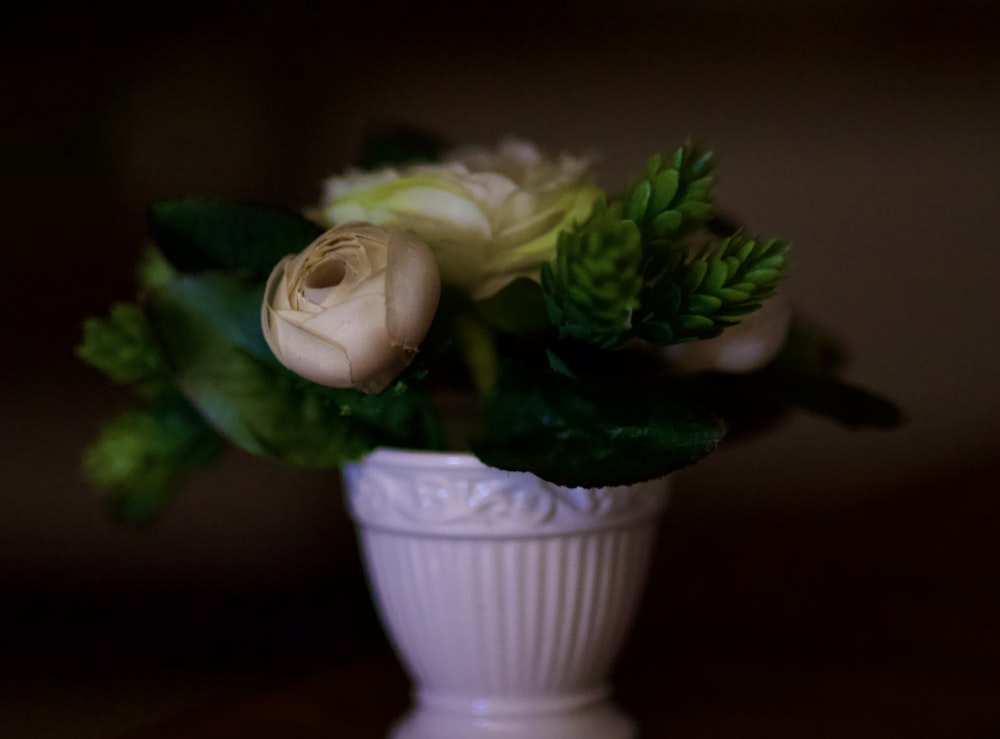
(694, 275)
(704, 304)
(664, 188)
(638, 201)
(557, 364)
(212, 308)
(575, 434)
(667, 222)
(518, 308)
(695, 323)
(658, 334)
(716, 276)
(200, 236)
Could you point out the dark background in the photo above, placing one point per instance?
(811, 577)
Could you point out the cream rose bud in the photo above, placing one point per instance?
(745, 347)
(351, 310)
(489, 216)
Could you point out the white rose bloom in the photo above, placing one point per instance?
(488, 216)
(351, 310)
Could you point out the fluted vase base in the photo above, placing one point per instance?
(507, 598)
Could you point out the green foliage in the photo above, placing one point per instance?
(673, 198)
(200, 236)
(569, 394)
(122, 347)
(627, 272)
(576, 434)
(593, 286)
(517, 309)
(141, 456)
(153, 270)
(209, 328)
(712, 290)
(476, 343)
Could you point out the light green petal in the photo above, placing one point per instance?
(487, 220)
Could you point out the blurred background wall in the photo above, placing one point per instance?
(866, 133)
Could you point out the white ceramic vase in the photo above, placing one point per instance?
(507, 598)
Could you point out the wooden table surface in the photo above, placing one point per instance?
(880, 621)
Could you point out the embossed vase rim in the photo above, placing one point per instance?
(423, 458)
(456, 494)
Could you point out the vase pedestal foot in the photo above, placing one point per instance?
(597, 721)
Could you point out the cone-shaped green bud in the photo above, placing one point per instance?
(673, 199)
(712, 290)
(593, 286)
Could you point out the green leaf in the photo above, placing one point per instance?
(694, 323)
(658, 334)
(665, 185)
(667, 223)
(693, 275)
(122, 347)
(476, 343)
(140, 457)
(558, 364)
(153, 270)
(704, 304)
(716, 276)
(638, 201)
(672, 200)
(208, 309)
(517, 309)
(209, 327)
(200, 236)
(762, 276)
(592, 435)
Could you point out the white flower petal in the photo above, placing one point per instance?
(410, 306)
(314, 357)
(326, 315)
(488, 215)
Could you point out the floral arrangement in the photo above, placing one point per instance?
(496, 301)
